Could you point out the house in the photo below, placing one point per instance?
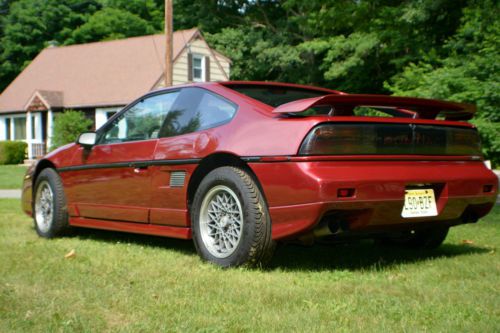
(98, 79)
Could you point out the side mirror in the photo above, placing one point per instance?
(87, 139)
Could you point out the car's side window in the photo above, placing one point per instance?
(197, 109)
(142, 121)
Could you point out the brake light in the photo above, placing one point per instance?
(345, 192)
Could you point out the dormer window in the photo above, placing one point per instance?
(198, 68)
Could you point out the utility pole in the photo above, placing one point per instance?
(169, 53)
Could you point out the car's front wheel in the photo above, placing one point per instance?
(230, 221)
(49, 205)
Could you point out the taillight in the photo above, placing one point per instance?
(390, 139)
(337, 140)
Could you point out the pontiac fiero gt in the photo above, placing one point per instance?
(237, 166)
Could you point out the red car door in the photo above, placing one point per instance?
(112, 180)
(185, 138)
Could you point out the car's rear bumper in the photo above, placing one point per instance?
(300, 194)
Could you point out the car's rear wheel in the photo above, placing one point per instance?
(420, 239)
(230, 221)
(49, 205)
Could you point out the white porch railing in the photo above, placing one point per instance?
(38, 150)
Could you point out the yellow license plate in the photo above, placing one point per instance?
(419, 203)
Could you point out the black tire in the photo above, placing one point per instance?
(255, 246)
(57, 223)
(422, 239)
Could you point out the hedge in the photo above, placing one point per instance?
(12, 152)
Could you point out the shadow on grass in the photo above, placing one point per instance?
(178, 245)
(360, 255)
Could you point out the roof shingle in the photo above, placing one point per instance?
(94, 74)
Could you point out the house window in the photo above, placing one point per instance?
(198, 68)
(19, 128)
(14, 127)
(34, 126)
(7, 129)
(102, 115)
(110, 114)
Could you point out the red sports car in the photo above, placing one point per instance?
(237, 166)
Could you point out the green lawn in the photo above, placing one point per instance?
(11, 176)
(121, 282)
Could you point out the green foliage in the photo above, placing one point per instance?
(67, 126)
(31, 24)
(210, 16)
(11, 176)
(12, 152)
(466, 72)
(151, 11)
(446, 49)
(490, 139)
(108, 24)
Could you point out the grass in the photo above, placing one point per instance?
(132, 283)
(11, 176)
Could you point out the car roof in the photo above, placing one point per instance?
(228, 84)
(277, 84)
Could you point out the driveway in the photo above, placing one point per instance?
(10, 194)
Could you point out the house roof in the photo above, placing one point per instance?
(94, 74)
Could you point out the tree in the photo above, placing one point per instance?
(348, 45)
(468, 72)
(31, 25)
(433, 48)
(151, 11)
(68, 126)
(108, 24)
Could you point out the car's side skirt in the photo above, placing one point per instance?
(136, 228)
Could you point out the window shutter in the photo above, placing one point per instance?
(207, 69)
(190, 67)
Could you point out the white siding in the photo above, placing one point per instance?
(226, 65)
(180, 75)
(37, 123)
(3, 129)
(199, 46)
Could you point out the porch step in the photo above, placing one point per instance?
(28, 162)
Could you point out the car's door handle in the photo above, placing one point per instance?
(138, 167)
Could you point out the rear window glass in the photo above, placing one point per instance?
(276, 95)
(365, 111)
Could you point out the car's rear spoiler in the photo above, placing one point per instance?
(343, 105)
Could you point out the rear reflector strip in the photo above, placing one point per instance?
(390, 139)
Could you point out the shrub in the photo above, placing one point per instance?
(12, 152)
(67, 126)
